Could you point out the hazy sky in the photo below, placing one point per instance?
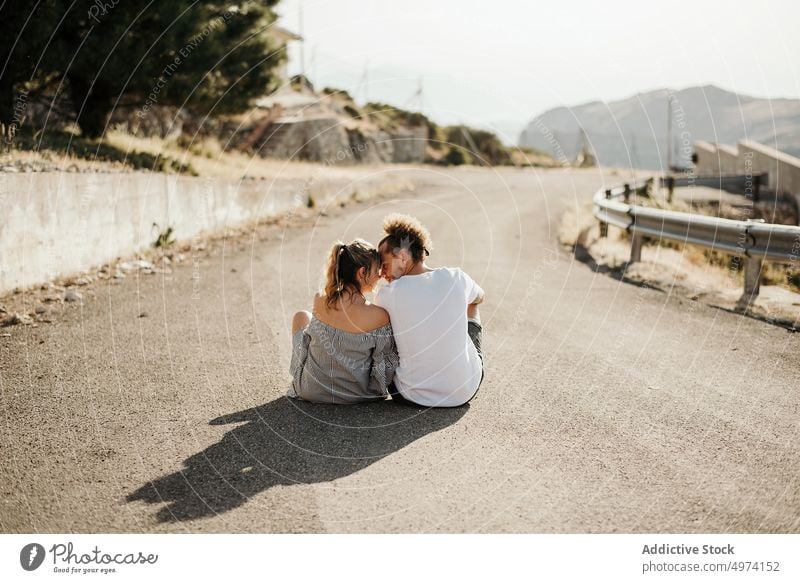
(503, 61)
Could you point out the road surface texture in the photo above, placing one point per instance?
(607, 407)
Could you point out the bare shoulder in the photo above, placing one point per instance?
(375, 316)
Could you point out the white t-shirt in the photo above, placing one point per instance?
(439, 364)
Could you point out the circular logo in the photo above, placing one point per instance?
(31, 556)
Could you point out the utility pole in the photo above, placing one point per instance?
(312, 68)
(634, 156)
(416, 101)
(365, 81)
(472, 145)
(554, 145)
(669, 134)
(302, 45)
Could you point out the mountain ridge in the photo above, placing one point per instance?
(632, 131)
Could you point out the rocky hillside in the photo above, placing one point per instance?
(295, 123)
(633, 131)
(330, 127)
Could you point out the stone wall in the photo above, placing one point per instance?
(409, 145)
(318, 140)
(329, 141)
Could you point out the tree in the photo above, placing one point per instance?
(457, 155)
(488, 148)
(25, 32)
(210, 57)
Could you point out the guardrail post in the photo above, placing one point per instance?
(752, 280)
(604, 226)
(756, 186)
(649, 186)
(670, 188)
(627, 193)
(636, 247)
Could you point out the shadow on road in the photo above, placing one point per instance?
(287, 442)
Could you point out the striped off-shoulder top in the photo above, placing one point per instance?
(334, 366)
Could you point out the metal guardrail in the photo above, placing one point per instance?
(756, 241)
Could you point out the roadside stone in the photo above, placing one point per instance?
(72, 296)
(15, 319)
(41, 309)
(127, 266)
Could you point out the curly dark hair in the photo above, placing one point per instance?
(406, 232)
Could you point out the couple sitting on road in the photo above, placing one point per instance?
(419, 341)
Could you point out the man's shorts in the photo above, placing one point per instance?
(475, 331)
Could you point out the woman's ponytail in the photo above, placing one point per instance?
(344, 262)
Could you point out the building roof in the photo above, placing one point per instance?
(283, 34)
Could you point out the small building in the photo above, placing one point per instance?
(284, 37)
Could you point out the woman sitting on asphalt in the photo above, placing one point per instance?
(344, 352)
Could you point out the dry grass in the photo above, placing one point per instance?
(119, 151)
(207, 158)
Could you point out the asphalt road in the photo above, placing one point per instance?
(157, 406)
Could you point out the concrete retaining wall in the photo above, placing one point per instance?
(750, 157)
(707, 163)
(717, 159)
(56, 224)
(783, 169)
(729, 161)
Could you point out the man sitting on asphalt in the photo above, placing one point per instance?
(434, 315)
